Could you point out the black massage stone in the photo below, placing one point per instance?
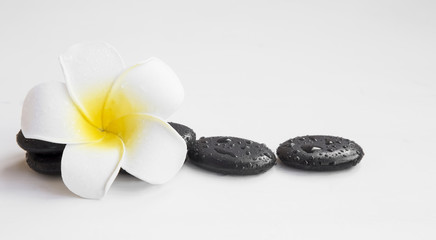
(231, 155)
(320, 153)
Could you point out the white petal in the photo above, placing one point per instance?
(88, 170)
(150, 88)
(49, 114)
(90, 70)
(155, 152)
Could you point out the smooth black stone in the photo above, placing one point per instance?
(320, 153)
(38, 146)
(187, 133)
(231, 155)
(49, 164)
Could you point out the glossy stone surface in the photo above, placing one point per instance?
(231, 155)
(320, 153)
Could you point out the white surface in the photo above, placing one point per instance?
(262, 70)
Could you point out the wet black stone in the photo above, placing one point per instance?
(320, 153)
(49, 164)
(231, 155)
(187, 133)
(38, 146)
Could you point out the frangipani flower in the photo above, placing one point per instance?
(109, 117)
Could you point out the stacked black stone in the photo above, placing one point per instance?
(45, 157)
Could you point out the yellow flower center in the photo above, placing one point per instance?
(118, 104)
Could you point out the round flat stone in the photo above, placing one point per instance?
(38, 146)
(187, 133)
(320, 153)
(231, 155)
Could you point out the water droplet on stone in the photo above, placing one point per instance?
(225, 152)
(224, 140)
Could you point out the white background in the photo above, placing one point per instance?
(262, 70)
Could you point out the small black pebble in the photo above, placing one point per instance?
(231, 155)
(320, 153)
